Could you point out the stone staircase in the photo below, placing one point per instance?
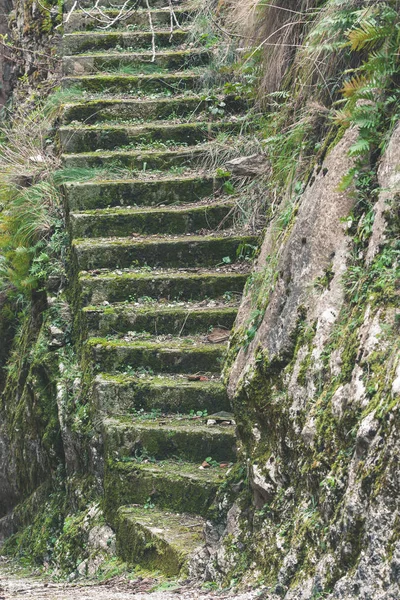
(150, 239)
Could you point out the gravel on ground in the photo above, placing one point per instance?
(16, 586)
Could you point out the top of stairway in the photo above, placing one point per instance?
(118, 4)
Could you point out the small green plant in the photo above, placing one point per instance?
(225, 261)
(198, 413)
(213, 463)
(136, 372)
(246, 251)
(143, 456)
(149, 504)
(210, 585)
(228, 187)
(222, 173)
(143, 415)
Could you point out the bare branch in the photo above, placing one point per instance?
(153, 37)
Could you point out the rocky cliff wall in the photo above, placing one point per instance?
(29, 39)
(316, 397)
(5, 62)
(30, 442)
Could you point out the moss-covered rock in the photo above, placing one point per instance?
(186, 439)
(99, 223)
(174, 356)
(156, 540)
(139, 160)
(121, 394)
(82, 21)
(168, 190)
(178, 487)
(157, 320)
(139, 84)
(98, 111)
(172, 285)
(106, 136)
(76, 43)
(178, 252)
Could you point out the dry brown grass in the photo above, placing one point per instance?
(275, 28)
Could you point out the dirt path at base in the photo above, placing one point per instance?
(13, 587)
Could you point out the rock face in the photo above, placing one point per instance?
(28, 54)
(30, 441)
(5, 63)
(318, 242)
(315, 396)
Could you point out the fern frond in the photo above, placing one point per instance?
(367, 35)
(353, 85)
(342, 117)
(361, 147)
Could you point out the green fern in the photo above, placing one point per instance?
(371, 94)
(360, 148)
(367, 35)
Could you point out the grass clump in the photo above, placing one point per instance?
(33, 239)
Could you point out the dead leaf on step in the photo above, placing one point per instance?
(218, 335)
(197, 378)
(224, 465)
(205, 465)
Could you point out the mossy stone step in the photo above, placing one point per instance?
(80, 64)
(187, 439)
(134, 84)
(78, 43)
(139, 192)
(102, 110)
(188, 251)
(138, 160)
(176, 486)
(171, 356)
(157, 540)
(157, 319)
(121, 394)
(169, 220)
(107, 137)
(110, 4)
(169, 284)
(84, 21)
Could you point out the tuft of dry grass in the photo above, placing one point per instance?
(275, 29)
(30, 203)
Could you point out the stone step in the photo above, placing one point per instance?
(184, 438)
(177, 486)
(179, 355)
(95, 20)
(91, 195)
(158, 540)
(121, 394)
(81, 42)
(139, 160)
(68, 5)
(148, 109)
(80, 64)
(196, 284)
(168, 220)
(186, 251)
(157, 319)
(135, 84)
(89, 138)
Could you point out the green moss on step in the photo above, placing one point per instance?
(179, 487)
